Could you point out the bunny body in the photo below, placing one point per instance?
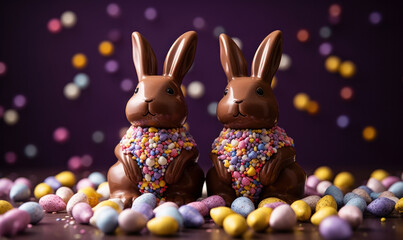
(157, 154)
(252, 157)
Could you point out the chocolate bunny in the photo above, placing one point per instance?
(252, 157)
(157, 154)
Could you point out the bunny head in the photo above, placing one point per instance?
(249, 102)
(158, 100)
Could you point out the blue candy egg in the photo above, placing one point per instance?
(375, 195)
(145, 209)
(171, 212)
(350, 196)
(19, 192)
(53, 183)
(191, 216)
(336, 193)
(148, 198)
(397, 189)
(107, 220)
(367, 189)
(243, 206)
(97, 178)
(35, 211)
(358, 202)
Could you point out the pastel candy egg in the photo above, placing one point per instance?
(283, 218)
(302, 210)
(387, 194)
(131, 221)
(312, 181)
(171, 212)
(324, 173)
(322, 186)
(5, 186)
(148, 198)
(389, 181)
(145, 209)
(5, 206)
(92, 195)
(358, 202)
(164, 205)
(23, 180)
(34, 210)
(336, 193)
(362, 193)
(311, 201)
(326, 201)
(118, 201)
(399, 206)
(243, 206)
(108, 203)
(65, 193)
(350, 196)
(107, 221)
(76, 198)
(335, 228)
(379, 174)
(191, 216)
(308, 191)
(374, 195)
(397, 189)
(97, 178)
(273, 205)
(14, 221)
(218, 214)
(82, 212)
(352, 214)
(235, 225)
(41, 190)
(367, 189)
(103, 189)
(201, 207)
(19, 192)
(97, 213)
(52, 203)
(214, 201)
(322, 214)
(259, 219)
(83, 183)
(375, 185)
(52, 182)
(269, 200)
(344, 181)
(66, 178)
(163, 226)
(381, 207)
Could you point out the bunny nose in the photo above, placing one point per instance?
(148, 100)
(238, 101)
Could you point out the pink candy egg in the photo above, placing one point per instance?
(52, 203)
(64, 193)
(164, 205)
(5, 186)
(214, 201)
(13, 221)
(75, 199)
(23, 180)
(312, 181)
(389, 181)
(201, 207)
(83, 183)
(352, 215)
(82, 212)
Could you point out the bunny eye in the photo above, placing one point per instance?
(170, 91)
(259, 91)
(136, 90)
(225, 91)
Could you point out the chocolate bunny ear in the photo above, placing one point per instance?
(232, 59)
(143, 56)
(267, 57)
(180, 56)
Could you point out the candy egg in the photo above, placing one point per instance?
(324, 173)
(381, 207)
(363, 194)
(164, 205)
(163, 226)
(235, 225)
(52, 182)
(41, 190)
(65, 193)
(344, 181)
(14, 221)
(399, 206)
(259, 219)
(148, 198)
(336, 193)
(214, 201)
(83, 183)
(375, 185)
(97, 178)
(397, 189)
(5, 206)
(367, 189)
(108, 203)
(335, 228)
(350, 196)
(269, 200)
(352, 214)
(92, 195)
(19, 192)
(273, 205)
(243, 206)
(389, 181)
(312, 181)
(66, 178)
(118, 201)
(52, 203)
(322, 186)
(201, 207)
(82, 212)
(218, 214)
(379, 174)
(302, 210)
(171, 212)
(5, 186)
(322, 214)
(107, 220)
(145, 209)
(131, 221)
(34, 210)
(191, 216)
(23, 180)
(103, 189)
(311, 201)
(358, 202)
(283, 218)
(326, 201)
(76, 198)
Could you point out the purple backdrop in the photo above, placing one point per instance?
(39, 66)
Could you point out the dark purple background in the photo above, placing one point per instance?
(39, 66)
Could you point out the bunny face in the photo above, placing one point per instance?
(158, 100)
(249, 102)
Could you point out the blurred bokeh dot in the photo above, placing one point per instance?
(375, 18)
(19, 101)
(11, 117)
(111, 66)
(61, 134)
(3, 68)
(68, 19)
(127, 85)
(122, 131)
(71, 91)
(54, 25)
(74, 163)
(183, 88)
(335, 10)
(10, 157)
(332, 64)
(312, 107)
(238, 42)
(301, 101)
(106, 48)
(218, 30)
(86, 160)
(30, 150)
(150, 14)
(195, 89)
(1, 111)
(273, 82)
(325, 32)
(113, 10)
(343, 121)
(114, 35)
(79, 61)
(347, 93)
(285, 62)
(82, 80)
(325, 49)
(303, 35)
(212, 108)
(334, 20)
(369, 133)
(347, 69)
(98, 137)
(199, 23)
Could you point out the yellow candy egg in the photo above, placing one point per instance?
(269, 200)
(92, 195)
(102, 185)
(106, 48)
(235, 225)
(163, 226)
(66, 178)
(326, 201)
(259, 219)
(301, 101)
(344, 181)
(332, 64)
(5, 206)
(379, 174)
(42, 189)
(324, 173)
(347, 69)
(323, 213)
(108, 203)
(369, 133)
(218, 214)
(302, 210)
(79, 61)
(399, 206)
